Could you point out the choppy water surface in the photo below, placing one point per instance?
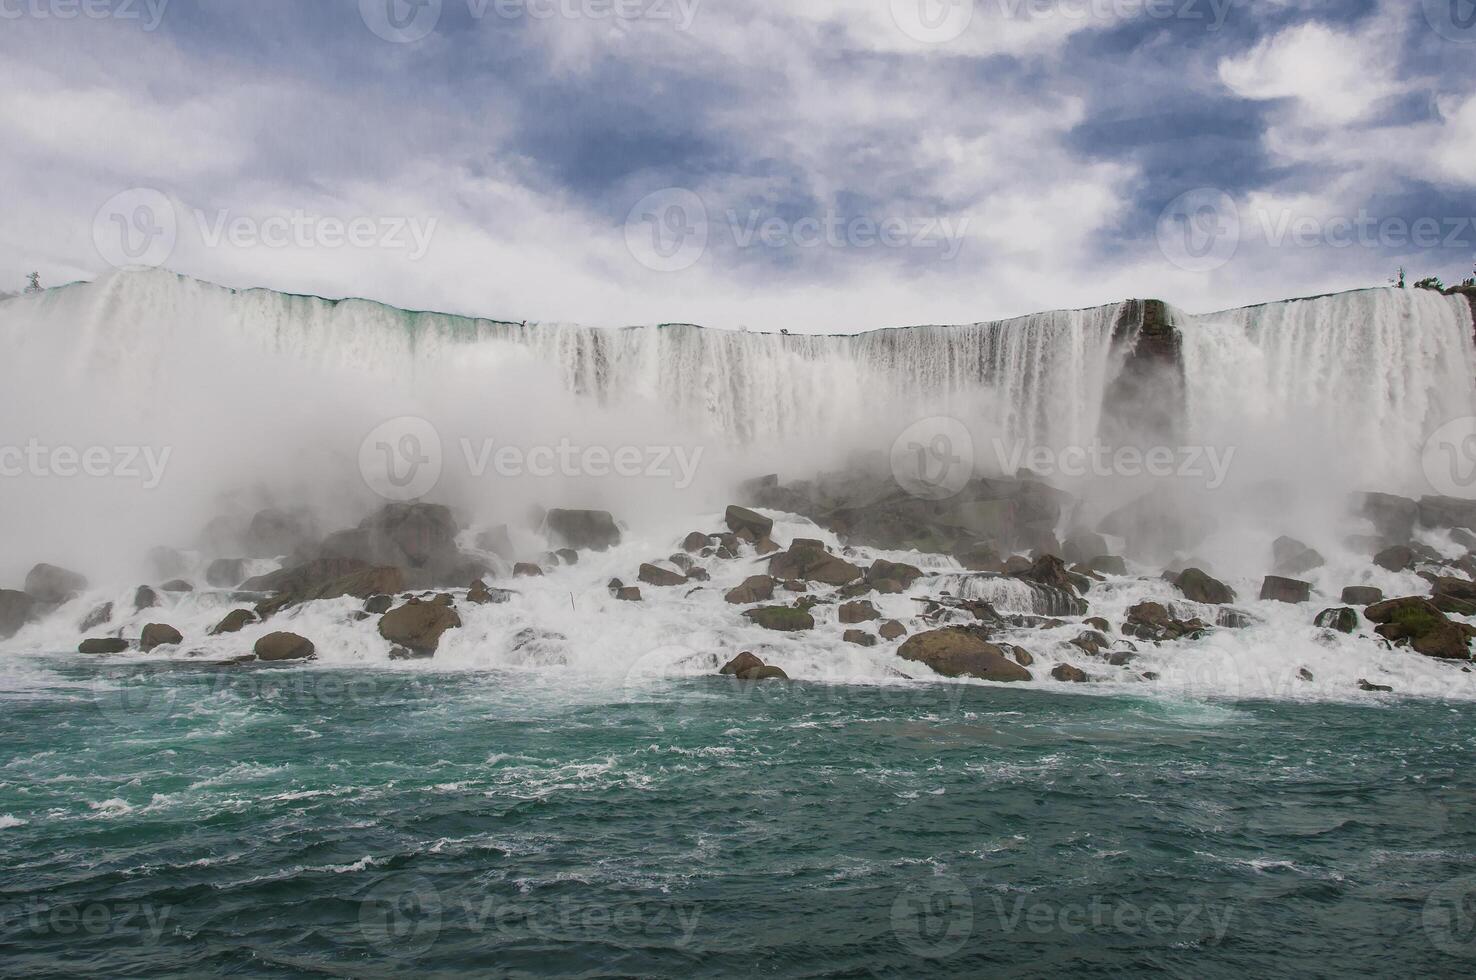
(164, 819)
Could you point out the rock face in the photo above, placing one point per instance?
(1287, 590)
(1198, 586)
(583, 529)
(661, 577)
(741, 519)
(1343, 620)
(1395, 559)
(159, 635)
(755, 588)
(15, 612)
(49, 583)
(956, 652)
(1292, 557)
(1442, 512)
(782, 619)
(1455, 596)
(102, 644)
(1417, 622)
(1362, 595)
(144, 597)
(418, 625)
(100, 616)
(274, 532)
(278, 647)
(1394, 518)
(234, 621)
(807, 560)
(226, 573)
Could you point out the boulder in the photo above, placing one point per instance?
(808, 560)
(1093, 643)
(698, 575)
(102, 644)
(1456, 596)
(782, 619)
(378, 605)
(100, 616)
(860, 611)
(768, 672)
(1394, 518)
(525, 569)
(419, 539)
(960, 652)
(1081, 547)
(980, 557)
(177, 586)
(1292, 557)
(892, 630)
(273, 533)
(1108, 565)
(891, 578)
(498, 541)
(277, 647)
(159, 635)
(1152, 621)
(1418, 623)
(860, 638)
(226, 573)
(361, 583)
(234, 621)
(166, 562)
(695, 542)
(1362, 595)
(1051, 571)
(755, 588)
(740, 519)
(1198, 586)
(418, 625)
(51, 584)
(1343, 620)
(593, 530)
(628, 594)
(661, 577)
(15, 611)
(1372, 688)
(741, 663)
(144, 597)
(1443, 512)
(483, 596)
(1395, 559)
(1068, 674)
(1278, 589)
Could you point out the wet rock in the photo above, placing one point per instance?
(628, 594)
(378, 605)
(1198, 586)
(226, 573)
(497, 540)
(1291, 557)
(979, 557)
(1362, 595)
(1343, 620)
(1068, 674)
(808, 560)
(741, 519)
(1394, 518)
(1019, 655)
(695, 542)
(400, 654)
(858, 612)
(177, 586)
(781, 618)
(755, 588)
(1366, 685)
(1443, 512)
(1050, 571)
(102, 644)
(1463, 538)
(1099, 624)
(1233, 619)
(698, 575)
(891, 578)
(1455, 596)
(1108, 565)
(418, 625)
(1278, 589)
(234, 621)
(1395, 559)
(51, 584)
(15, 611)
(144, 598)
(527, 570)
(961, 652)
(483, 596)
(279, 647)
(165, 562)
(683, 562)
(1092, 642)
(661, 577)
(1305, 674)
(892, 630)
(1081, 547)
(860, 638)
(568, 556)
(593, 530)
(1418, 623)
(159, 635)
(1152, 621)
(273, 533)
(768, 672)
(100, 616)
(743, 662)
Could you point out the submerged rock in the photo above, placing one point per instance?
(860, 638)
(279, 647)
(960, 652)
(747, 667)
(102, 644)
(52, 584)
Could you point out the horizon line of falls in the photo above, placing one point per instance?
(265, 399)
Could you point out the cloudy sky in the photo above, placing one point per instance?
(815, 165)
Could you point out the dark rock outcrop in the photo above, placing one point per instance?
(15, 611)
(741, 519)
(1291, 557)
(1278, 589)
(52, 584)
(593, 530)
(860, 611)
(279, 647)
(1394, 518)
(102, 644)
(661, 577)
(628, 593)
(782, 619)
(144, 597)
(159, 635)
(1068, 674)
(483, 596)
(1152, 621)
(740, 664)
(1362, 595)
(960, 652)
(1343, 620)
(1444, 512)
(1396, 559)
(100, 616)
(524, 569)
(418, 625)
(1418, 623)
(1454, 596)
(1198, 586)
(808, 560)
(755, 588)
(234, 621)
(890, 578)
(860, 638)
